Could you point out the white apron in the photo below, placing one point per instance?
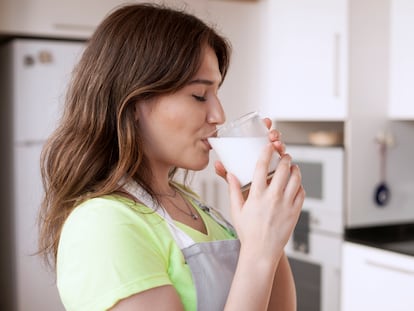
(212, 264)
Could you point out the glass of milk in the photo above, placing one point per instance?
(238, 145)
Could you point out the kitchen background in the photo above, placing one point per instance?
(336, 76)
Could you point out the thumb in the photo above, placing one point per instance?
(220, 170)
(235, 194)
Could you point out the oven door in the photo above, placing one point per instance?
(316, 270)
(322, 171)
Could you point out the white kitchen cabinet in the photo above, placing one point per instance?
(73, 19)
(299, 34)
(402, 60)
(308, 48)
(376, 279)
(35, 111)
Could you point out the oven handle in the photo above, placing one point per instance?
(388, 267)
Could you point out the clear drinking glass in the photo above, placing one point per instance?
(238, 145)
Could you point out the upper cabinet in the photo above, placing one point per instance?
(402, 60)
(329, 61)
(307, 52)
(75, 19)
(66, 19)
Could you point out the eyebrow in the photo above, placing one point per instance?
(201, 81)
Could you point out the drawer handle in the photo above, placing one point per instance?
(389, 267)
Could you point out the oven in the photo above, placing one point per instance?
(314, 250)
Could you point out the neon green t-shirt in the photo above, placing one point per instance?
(111, 248)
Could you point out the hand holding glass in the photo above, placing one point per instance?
(238, 145)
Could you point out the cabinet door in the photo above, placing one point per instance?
(402, 60)
(73, 19)
(375, 279)
(308, 60)
(41, 71)
(65, 18)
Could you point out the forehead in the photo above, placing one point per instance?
(209, 68)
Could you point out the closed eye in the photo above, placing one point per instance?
(199, 98)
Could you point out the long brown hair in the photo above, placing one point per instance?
(137, 53)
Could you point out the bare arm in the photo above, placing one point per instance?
(283, 297)
(276, 293)
(264, 222)
(156, 299)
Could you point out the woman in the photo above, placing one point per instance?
(123, 234)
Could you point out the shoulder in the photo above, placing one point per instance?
(110, 248)
(110, 224)
(104, 207)
(107, 211)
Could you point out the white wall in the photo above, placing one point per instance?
(243, 23)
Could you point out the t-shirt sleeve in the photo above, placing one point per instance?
(105, 254)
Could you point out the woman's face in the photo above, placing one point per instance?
(175, 127)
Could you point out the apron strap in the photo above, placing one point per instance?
(215, 214)
(182, 239)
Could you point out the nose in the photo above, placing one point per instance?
(216, 113)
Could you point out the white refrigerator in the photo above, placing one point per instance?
(34, 74)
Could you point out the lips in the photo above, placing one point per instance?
(211, 133)
(205, 141)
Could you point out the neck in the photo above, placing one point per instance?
(161, 184)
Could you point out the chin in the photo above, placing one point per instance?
(199, 165)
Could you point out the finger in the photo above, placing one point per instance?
(294, 184)
(299, 198)
(274, 135)
(268, 122)
(275, 138)
(279, 147)
(281, 175)
(261, 170)
(235, 194)
(220, 170)
(298, 203)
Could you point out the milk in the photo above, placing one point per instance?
(239, 155)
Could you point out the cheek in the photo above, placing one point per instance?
(149, 133)
(163, 136)
(176, 126)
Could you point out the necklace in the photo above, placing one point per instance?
(190, 210)
(167, 194)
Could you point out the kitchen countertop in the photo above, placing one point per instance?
(398, 238)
